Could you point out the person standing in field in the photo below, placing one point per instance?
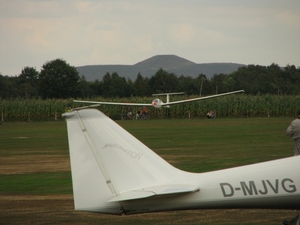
(294, 132)
(144, 112)
(129, 112)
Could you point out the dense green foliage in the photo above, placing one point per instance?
(238, 105)
(45, 95)
(57, 79)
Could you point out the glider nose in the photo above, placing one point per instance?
(156, 103)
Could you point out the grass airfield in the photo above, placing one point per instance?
(35, 177)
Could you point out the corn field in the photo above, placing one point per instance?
(239, 105)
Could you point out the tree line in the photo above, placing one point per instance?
(59, 80)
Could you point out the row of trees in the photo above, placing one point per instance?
(57, 79)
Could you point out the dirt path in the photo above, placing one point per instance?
(19, 164)
(59, 209)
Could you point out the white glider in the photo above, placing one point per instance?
(114, 173)
(157, 103)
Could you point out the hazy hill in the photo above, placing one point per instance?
(148, 68)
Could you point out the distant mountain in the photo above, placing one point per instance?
(148, 68)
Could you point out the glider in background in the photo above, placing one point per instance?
(157, 103)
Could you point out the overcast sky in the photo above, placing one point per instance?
(94, 32)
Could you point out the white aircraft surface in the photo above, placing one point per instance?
(157, 103)
(114, 173)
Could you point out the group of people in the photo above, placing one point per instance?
(294, 132)
(140, 114)
(211, 114)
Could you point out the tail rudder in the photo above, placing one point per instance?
(89, 188)
(108, 163)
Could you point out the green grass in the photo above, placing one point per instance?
(191, 145)
(38, 183)
(198, 145)
(33, 138)
(203, 145)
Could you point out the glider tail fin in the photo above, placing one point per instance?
(109, 164)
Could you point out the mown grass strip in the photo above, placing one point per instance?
(36, 183)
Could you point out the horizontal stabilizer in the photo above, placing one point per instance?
(131, 195)
(175, 93)
(155, 190)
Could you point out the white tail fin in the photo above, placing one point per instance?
(110, 165)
